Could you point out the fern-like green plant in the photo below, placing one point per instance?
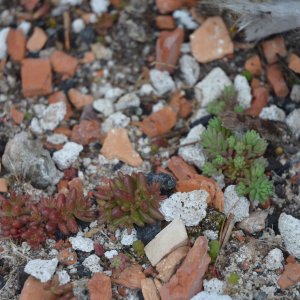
(239, 158)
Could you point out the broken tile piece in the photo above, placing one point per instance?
(3, 185)
(167, 6)
(165, 22)
(276, 79)
(117, 145)
(149, 289)
(168, 265)
(63, 63)
(99, 287)
(211, 40)
(37, 40)
(16, 43)
(36, 77)
(274, 47)
(260, 100)
(78, 99)
(188, 279)
(290, 275)
(86, 132)
(170, 238)
(159, 122)
(130, 277)
(168, 47)
(294, 63)
(253, 65)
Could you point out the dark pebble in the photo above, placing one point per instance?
(21, 278)
(118, 166)
(260, 295)
(275, 165)
(204, 121)
(2, 282)
(140, 295)
(83, 272)
(167, 181)
(87, 36)
(148, 232)
(272, 221)
(3, 141)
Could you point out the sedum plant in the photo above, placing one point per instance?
(239, 157)
(23, 219)
(129, 199)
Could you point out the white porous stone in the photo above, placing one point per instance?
(78, 25)
(190, 207)
(233, 203)
(170, 238)
(158, 106)
(146, 89)
(71, 2)
(128, 100)
(274, 259)
(81, 243)
(273, 113)
(35, 126)
(295, 93)
(99, 6)
(243, 89)
(213, 296)
(116, 120)
(293, 121)
(214, 285)
(110, 254)
(212, 86)
(41, 269)
(25, 27)
(184, 18)
(63, 277)
(193, 154)
(92, 263)
(190, 69)
(67, 155)
(128, 239)
(57, 139)
(104, 106)
(161, 81)
(289, 228)
(53, 115)
(3, 44)
(113, 93)
(210, 234)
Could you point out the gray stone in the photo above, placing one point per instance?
(28, 159)
(190, 69)
(243, 89)
(81, 243)
(128, 100)
(256, 222)
(161, 81)
(272, 113)
(213, 296)
(289, 228)
(293, 121)
(92, 262)
(104, 106)
(274, 259)
(295, 93)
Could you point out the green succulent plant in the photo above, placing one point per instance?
(239, 157)
(129, 199)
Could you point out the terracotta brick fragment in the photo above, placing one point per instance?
(180, 168)
(290, 275)
(37, 40)
(29, 4)
(63, 63)
(167, 6)
(274, 47)
(253, 65)
(3, 185)
(181, 105)
(260, 100)
(67, 257)
(16, 115)
(36, 77)
(131, 277)
(159, 123)
(168, 47)
(294, 63)
(78, 99)
(211, 40)
(86, 132)
(63, 130)
(99, 287)
(165, 22)
(276, 79)
(16, 44)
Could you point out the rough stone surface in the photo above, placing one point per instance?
(53, 115)
(92, 262)
(104, 106)
(273, 113)
(110, 254)
(238, 206)
(149, 289)
(290, 275)
(256, 222)
(212, 86)
(131, 277)
(81, 243)
(211, 40)
(116, 120)
(78, 99)
(190, 69)
(128, 239)
(274, 259)
(170, 238)
(86, 132)
(41, 269)
(193, 154)
(295, 93)
(274, 47)
(187, 281)
(213, 296)
(128, 100)
(3, 45)
(161, 81)
(63, 277)
(289, 228)
(67, 155)
(27, 158)
(293, 121)
(243, 89)
(214, 285)
(99, 287)
(189, 207)
(33, 289)
(168, 265)
(117, 145)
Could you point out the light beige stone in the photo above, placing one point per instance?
(149, 289)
